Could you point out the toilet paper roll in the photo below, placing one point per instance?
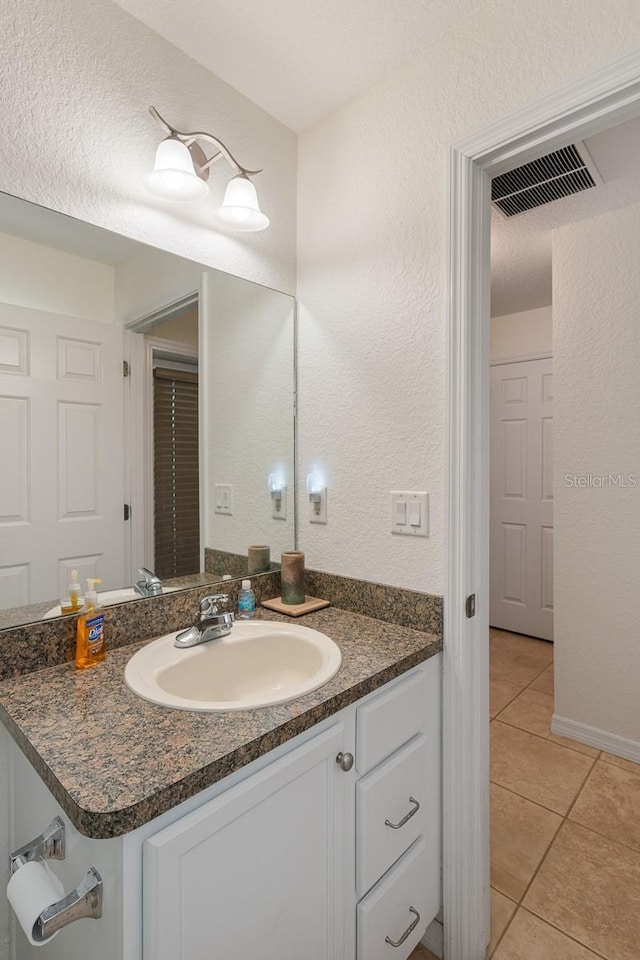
(31, 889)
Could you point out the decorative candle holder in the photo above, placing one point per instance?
(292, 577)
(259, 559)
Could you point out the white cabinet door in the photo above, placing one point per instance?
(61, 484)
(522, 497)
(257, 873)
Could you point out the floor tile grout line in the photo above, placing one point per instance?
(547, 739)
(567, 815)
(506, 704)
(564, 933)
(555, 835)
(506, 723)
(536, 803)
(542, 859)
(508, 924)
(612, 763)
(584, 783)
(603, 836)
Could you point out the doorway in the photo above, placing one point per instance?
(606, 97)
(521, 545)
(164, 413)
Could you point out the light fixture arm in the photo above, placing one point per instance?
(190, 138)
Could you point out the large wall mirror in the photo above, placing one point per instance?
(146, 416)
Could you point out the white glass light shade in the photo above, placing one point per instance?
(240, 209)
(173, 176)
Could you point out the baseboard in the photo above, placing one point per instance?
(593, 737)
(434, 939)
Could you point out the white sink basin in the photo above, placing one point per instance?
(258, 664)
(109, 597)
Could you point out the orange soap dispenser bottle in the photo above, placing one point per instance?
(90, 639)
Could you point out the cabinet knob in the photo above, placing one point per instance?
(345, 761)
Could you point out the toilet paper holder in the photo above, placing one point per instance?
(84, 901)
(49, 845)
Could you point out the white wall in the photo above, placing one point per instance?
(596, 292)
(523, 334)
(182, 329)
(372, 247)
(77, 79)
(37, 276)
(152, 280)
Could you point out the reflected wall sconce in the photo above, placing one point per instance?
(181, 171)
(278, 493)
(317, 498)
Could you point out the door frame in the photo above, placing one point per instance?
(138, 469)
(605, 97)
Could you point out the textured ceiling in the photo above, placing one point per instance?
(299, 59)
(521, 247)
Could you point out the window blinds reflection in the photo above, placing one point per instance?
(175, 472)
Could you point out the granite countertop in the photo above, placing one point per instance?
(114, 761)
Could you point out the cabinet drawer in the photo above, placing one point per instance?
(388, 910)
(395, 793)
(389, 720)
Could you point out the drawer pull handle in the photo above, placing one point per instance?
(396, 826)
(408, 931)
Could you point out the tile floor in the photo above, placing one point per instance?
(421, 953)
(565, 825)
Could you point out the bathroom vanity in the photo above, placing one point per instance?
(307, 829)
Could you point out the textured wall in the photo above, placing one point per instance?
(371, 270)
(522, 334)
(77, 79)
(596, 292)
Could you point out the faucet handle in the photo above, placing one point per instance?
(209, 604)
(149, 575)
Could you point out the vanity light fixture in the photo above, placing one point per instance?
(317, 498)
(181, 171)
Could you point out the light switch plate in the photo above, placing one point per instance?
(416, 514)
(279, 507)
(318, 510)
(223, 497)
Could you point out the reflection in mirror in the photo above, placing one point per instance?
(146, 417)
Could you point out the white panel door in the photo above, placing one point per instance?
(61, 483)
(522, 498)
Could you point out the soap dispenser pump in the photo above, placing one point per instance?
(74, 592)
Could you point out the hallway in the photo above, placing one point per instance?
(565, 824)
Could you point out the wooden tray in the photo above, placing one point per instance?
(295, 609)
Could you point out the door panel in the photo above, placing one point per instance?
(61, 487)
(522, 497)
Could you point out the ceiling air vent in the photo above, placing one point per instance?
(557, 175)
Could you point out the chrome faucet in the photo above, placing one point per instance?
(150, 586)
(211, 623)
